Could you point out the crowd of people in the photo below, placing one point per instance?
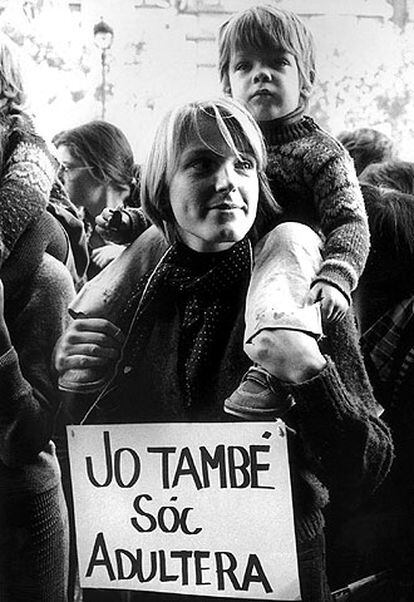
(254, 268)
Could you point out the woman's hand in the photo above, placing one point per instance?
(5, 342)
(334, 304)
(92, 345)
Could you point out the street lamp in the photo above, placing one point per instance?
(103, 35)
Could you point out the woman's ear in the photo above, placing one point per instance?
(225, 82)
(164, 206)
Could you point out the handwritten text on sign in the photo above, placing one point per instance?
(201, 509)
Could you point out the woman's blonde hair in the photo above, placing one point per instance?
(12, 94)
(180, 126)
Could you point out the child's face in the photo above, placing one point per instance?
(267, 83)
(213, 194)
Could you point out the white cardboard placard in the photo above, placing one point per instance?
(189, 508)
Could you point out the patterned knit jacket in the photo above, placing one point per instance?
(26, 179)
(313, 178)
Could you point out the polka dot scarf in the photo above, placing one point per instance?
(208, 290)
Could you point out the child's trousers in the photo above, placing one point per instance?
(286, 261)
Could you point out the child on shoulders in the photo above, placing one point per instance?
(308, 266)
(300, 280)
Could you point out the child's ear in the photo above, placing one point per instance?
(165, 206)
(306, 89)
(312, 76)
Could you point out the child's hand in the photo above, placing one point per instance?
(101, 256)
(334, 304)
(113, 225)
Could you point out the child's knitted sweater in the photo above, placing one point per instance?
(313, 179)
(26, 178)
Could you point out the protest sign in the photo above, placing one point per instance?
(200, 509)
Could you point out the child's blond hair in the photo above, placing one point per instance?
(262, 28)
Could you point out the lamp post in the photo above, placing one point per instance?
(103, 35)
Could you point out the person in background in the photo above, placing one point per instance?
(388, 277)
(35, 290)
(98, 171)
(379, 537)
(29, 189)
(28, 169)
(205, 189)
(366, 146)
(397, 175)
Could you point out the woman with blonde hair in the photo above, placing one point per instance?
(169, 346)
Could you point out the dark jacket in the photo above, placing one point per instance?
(343, 448)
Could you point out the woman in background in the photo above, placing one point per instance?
(98, 172)
(28, 169)
(34, 529)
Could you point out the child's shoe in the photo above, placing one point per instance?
(259, 396)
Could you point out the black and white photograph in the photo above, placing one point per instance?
(206, 300)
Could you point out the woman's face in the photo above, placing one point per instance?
(83, 188)
(213, 194)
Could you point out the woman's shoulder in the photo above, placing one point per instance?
(108, 292)
(149, 248)
(141, 256)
